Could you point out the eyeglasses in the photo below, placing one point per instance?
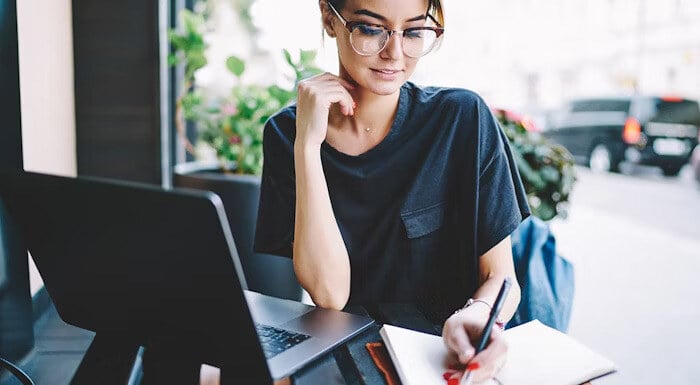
(370, 39)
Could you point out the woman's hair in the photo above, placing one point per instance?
(434, 9)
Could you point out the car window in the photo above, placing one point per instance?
(603, 105)
(682, 111)
(644, 109)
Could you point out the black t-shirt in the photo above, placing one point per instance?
(415, 211)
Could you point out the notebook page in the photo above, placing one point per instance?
(537, 355)
(540, 355)
(419, 358)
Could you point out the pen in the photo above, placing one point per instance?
(486, 333)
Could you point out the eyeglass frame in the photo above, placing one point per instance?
(351, 25)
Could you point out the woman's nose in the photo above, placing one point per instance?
(393, 49)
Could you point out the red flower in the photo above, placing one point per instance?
(229, 109)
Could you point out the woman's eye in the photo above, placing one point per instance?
(369, 30)
(414, 34)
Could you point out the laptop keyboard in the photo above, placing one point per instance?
(275, 340)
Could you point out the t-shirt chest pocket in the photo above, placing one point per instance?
(423, 229)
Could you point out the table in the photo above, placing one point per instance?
(110, 361)
(351, 362)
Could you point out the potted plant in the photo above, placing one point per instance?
(546, 168)
(232, 128)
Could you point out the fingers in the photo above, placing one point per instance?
(347, 104)
(209, 375)
(327, 89)
(329, 77)
(344, 82)
(489, 361)
(457, 340)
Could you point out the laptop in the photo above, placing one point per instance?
(160, 266)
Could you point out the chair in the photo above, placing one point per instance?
(16, 371)
(265, 273)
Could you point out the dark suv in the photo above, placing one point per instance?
(602, 132)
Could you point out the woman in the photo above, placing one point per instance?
(384, 191)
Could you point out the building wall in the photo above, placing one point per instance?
(601, 47)
(537, 54)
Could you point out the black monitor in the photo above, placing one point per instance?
(135, 261)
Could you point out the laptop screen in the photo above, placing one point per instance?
(137, 260)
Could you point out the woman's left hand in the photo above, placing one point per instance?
(461, 334)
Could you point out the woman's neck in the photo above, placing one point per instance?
(373, 113)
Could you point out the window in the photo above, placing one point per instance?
(600, 105)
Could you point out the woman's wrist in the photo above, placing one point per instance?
(483, 307)
(305, 148)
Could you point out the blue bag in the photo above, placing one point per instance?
(546, 279)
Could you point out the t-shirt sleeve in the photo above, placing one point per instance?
(275, 223)
(502, 202)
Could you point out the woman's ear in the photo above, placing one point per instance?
(327, 18)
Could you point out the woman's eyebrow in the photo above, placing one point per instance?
(380, 17)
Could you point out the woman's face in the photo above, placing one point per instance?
(385, 72)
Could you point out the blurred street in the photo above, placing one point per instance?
(634, 240)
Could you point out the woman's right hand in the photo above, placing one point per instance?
(460, 334)
(315, 96)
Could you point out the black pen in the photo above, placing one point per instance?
(486, 333)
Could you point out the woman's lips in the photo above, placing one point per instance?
(386, 74)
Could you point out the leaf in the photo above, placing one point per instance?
(173, 60)
(195, 42)
(288, 58)
(549, 173)
(192, 21)
(195, 61)
(545, 211)
(235, 65)
(176, 40)
(307, 73)
(307, 56)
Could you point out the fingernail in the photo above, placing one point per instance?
(473, 366)
(468, 353)
(453, 381)
(354, 105)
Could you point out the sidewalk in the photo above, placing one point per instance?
(636, 296)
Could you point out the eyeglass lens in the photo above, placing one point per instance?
(370, 40)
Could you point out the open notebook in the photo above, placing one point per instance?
(537, 355)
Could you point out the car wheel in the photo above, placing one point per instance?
(671, 170)
(601, 159)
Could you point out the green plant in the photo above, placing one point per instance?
(233, 126)
(546, 168)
